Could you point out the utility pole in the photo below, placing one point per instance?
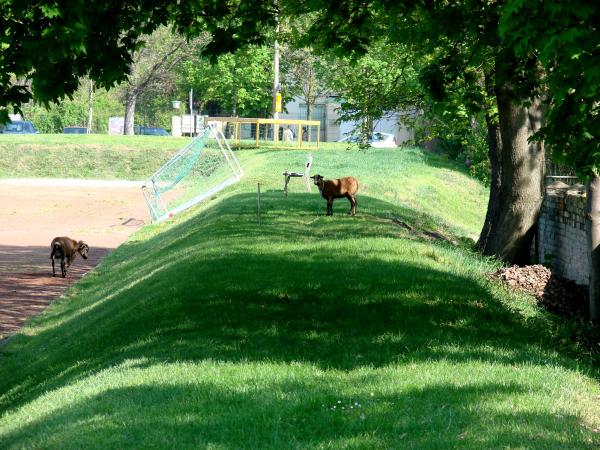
(276, 85)
(276, 81)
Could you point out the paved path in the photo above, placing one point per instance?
(69, 182)
(31, 214)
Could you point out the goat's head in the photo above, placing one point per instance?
(83, 249)
(318, 180)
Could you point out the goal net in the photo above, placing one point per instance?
(199, 170)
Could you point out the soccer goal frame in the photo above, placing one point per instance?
(158, 207)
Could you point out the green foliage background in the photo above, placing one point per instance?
(74, 111)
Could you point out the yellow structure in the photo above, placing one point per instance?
(300, 125)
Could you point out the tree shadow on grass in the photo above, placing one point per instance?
(304, 215)
(200, 291)
(287, 413)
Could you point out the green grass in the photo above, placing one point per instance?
(306, 331)
(93, 156)
(84, 156)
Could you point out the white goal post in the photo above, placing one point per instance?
(199, 170)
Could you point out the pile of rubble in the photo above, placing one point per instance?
(552, 292)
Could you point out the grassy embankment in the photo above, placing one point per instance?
(304, 332)
(82, 156)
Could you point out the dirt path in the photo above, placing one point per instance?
(30, 216)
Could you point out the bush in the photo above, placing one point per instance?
(460, 139)
(74, 112)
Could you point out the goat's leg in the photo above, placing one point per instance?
(53, 270)
(63, 269)
(330, 207)
(352, 204)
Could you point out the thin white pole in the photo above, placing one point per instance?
(258, 204)
(220, 137)
(192, 121)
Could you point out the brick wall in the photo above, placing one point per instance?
(562, 238)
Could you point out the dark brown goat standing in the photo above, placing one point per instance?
(66, 250)
(338, 188)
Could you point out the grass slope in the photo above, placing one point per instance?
(84, 156)
(306, 331)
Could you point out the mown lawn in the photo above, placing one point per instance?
(84, 156)
(93, 156)
(305, 331)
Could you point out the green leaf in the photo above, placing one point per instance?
(50, 11)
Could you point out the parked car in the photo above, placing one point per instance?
(75, 130)
(19, 127)
(378, 139)
(150, 131)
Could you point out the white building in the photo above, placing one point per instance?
(325, 110)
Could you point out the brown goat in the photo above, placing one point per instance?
(339, 188)
(66, 250)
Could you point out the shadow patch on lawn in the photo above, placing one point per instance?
(293, 414)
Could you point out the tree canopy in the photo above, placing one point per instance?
(152, 68)
(240, 82)
(564, 37)
(46, 47)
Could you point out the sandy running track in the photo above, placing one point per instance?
(103, 214)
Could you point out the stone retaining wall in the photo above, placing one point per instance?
(562, 237)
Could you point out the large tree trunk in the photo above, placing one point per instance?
(130, 113)
(592, 209)
(516, 202)
(495, 156)
(494, 141)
